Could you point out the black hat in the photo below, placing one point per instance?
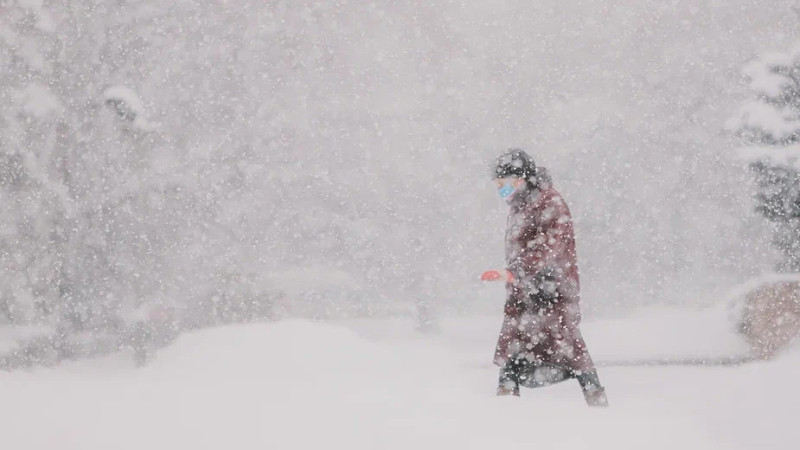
(514, 163)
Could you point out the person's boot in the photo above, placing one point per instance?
(504, 389)
(593, 391)
(596, 397)
(509, 379)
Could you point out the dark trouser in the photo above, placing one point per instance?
(521, 372)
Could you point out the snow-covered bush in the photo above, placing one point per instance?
(770, 126)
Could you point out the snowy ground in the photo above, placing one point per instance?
(379, 385)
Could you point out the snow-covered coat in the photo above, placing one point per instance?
(542, 309)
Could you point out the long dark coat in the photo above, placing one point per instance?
(542, 309)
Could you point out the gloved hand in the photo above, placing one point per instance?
(497, 275)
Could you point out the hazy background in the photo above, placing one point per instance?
(327, 159)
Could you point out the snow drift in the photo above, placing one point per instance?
(376, 384)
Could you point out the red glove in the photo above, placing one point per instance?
(495, 275)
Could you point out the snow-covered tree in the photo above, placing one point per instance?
(770, 125)
(83, 236)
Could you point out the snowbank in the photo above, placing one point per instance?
(300, 385)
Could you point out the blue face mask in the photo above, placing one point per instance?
(506, 190)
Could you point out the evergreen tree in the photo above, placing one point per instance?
(770, 125)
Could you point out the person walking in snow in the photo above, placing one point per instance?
(539, 342)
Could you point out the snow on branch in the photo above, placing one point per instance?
(128, 106)
(773, 117)
(37, 100)
(788, 156)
